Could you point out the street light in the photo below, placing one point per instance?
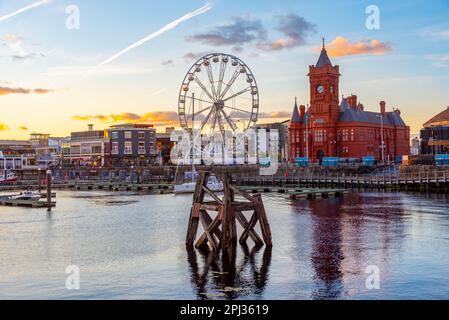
(382, 136)
(132, 174)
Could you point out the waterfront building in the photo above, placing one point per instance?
(416, 146)
(89, 148)
(435, 134)
(282, 129)
(334, 128)
(132, 144)
(164, 146)
(16, 155)
(47, 149)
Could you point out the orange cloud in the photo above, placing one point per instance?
(156, 118)
(343, 47)
(3, 127)
(8, 90)
(23, 128)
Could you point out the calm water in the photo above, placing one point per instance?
(131, 246)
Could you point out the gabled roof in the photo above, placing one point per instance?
(440, 119)
(323, 60)
(356, 115)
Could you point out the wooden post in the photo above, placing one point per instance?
(39, 181)
(48, 190)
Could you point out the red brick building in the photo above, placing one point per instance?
(334, 128)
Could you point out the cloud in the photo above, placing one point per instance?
(156, 118)
(435, 33)
(440, 61)
(343, 47)
(23, 128)
(42, 91)
(193, 56)
(15, 44)
(168, 62)
(261, 115)
(239, 32)
(3, 127)
(295, 30)
(8, 90)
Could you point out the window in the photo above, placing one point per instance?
(345, 135)
(141, 147)
(141, 135)
(114, 149)
(114, 135)
(352, 134)
(128, 147)
(320, 135)
(128, 135)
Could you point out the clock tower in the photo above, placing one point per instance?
(324, 100)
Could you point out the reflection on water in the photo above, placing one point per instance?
(132, 246)
(220, 275)
(327, 253)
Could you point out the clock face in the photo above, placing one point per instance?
(320, 89)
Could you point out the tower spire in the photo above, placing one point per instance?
(324, 58)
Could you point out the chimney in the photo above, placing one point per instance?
(382, 107)
(90, 127)
(302, 110)
(352, 101)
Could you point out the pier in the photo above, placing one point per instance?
(437, 180)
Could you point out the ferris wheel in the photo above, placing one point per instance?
(218, 93)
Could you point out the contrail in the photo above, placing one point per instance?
(156, 34)
(31, 6)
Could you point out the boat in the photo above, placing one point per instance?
(27, 195)
(8, 178)
(189, 187)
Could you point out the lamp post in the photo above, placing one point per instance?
(132, 174)
(307, 131)
(382, 137)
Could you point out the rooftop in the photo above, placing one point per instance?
(440, 119)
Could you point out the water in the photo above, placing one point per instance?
(131, 246)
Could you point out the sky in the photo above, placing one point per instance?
(56, 75)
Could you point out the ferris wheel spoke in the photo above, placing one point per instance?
(211, 80)
(237, 94)
(221, 125)
(237, 109)
(201, 111)
(203, 124)
(221, 77)
(229, 120)
(202, 100)
(230, 83)
(204, 88)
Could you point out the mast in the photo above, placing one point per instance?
(193, 136)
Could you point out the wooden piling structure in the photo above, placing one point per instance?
(220, 232)
(49, 178)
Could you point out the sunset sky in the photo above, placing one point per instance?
(49, 83)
